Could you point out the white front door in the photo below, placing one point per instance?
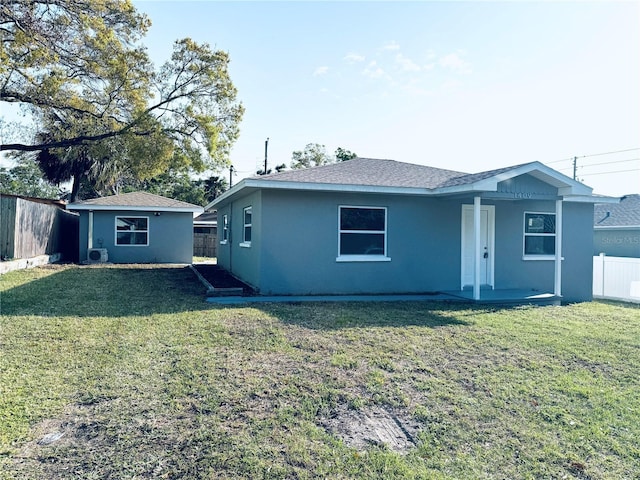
(487, 213)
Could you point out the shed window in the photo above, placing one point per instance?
(362, 233)
(132, 231)
(539, 234)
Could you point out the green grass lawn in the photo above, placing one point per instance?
(146, 380)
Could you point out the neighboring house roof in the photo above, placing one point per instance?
(135, 201)
(389, 176)
(206, 218)
(625, 214)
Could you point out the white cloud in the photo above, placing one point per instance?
(392, 46)
(407, 64)
(354, 58)
(374, 71)
(320, 71)
(455, 62)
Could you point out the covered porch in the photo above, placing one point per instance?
(511, 296)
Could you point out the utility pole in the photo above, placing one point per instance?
(575, 167)
(266, 145)
(231, 170)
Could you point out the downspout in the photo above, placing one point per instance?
(557, 284)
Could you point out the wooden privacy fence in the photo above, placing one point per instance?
(29, 228)
(616, 278)
(204, 244)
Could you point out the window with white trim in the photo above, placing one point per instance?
(132, 231)
(362, 232)
(247, 226)
(539, 234)
(225, 229)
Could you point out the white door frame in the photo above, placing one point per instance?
(477, 248)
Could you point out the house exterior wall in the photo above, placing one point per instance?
(617, 242)
(242, 261)
(513, 271)
(300, 245)
(295, 245)
(170, 237)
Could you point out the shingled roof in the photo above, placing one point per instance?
(135, 201)
(373, 172)
(369, 175)
(623, 214)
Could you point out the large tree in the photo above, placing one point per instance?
(100, 108)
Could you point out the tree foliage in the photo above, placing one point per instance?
(26, 179)
(102, 111)
(315, 155)
(180, 186)
(343, 155)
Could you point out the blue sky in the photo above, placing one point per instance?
(467, 86)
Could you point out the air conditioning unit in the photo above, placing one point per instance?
(97, 255)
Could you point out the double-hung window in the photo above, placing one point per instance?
(539, 234)
(246, 227)
(132, 231)
(362, 234)
(225, 229)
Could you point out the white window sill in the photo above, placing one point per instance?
(363, 258)
(540, 257)
(245, 244)
(223, 242)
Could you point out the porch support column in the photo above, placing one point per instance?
(557, 284)
(476, 249)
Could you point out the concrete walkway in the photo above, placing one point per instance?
(331, 298)
(501, 297)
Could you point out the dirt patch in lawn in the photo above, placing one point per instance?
(373, 426)
(218, 277)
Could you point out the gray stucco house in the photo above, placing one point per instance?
(368, 226)
(617, 228)
(136, 227)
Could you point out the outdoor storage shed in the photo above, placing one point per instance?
(136, 227)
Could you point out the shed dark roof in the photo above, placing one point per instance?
(623, 214)
(136, 200)
(206, 217)
(373, 172)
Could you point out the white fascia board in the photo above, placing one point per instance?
(623, 227)
(340, 187)
(318, 187)
(589, 199)
(131, 208)
(464, 189)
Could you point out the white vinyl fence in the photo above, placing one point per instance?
(616, 278)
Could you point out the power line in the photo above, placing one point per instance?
(593, 155)
(609, 153)
(609, 163)
(606, 173)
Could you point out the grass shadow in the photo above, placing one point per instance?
(347, 315)
(100, 291)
